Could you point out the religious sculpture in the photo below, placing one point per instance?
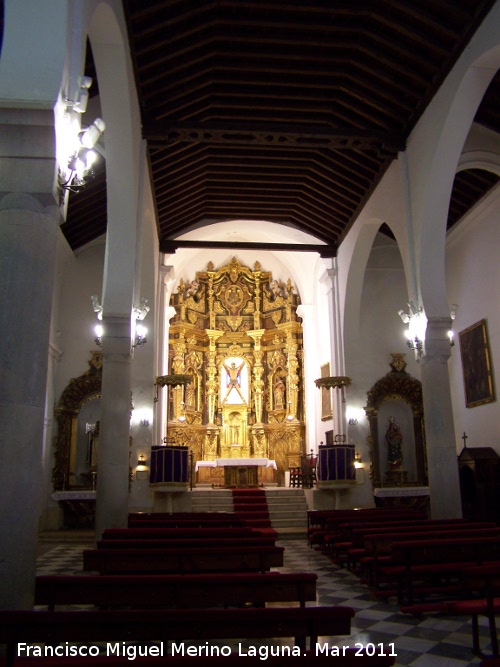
(394, 439)
(279, 393)
(233, 379)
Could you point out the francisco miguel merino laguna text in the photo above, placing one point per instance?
(133, 651)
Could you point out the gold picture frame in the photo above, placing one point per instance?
(326, 396)
(476, 365)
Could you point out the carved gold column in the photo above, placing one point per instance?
(258, 372)
(210, 293)
(293, 376)
(256, 316)
(260, 447)
(210, 445)
(178, 366)
(212, 384)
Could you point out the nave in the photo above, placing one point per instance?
(432, 641)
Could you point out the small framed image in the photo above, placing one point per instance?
(326, 398)
(476, 365)
(142, 475)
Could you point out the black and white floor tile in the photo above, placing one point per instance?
(428, 641)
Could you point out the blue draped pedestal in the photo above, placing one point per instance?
(169, 466)
(336, 466)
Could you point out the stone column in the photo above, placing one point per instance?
(28, 233)
(337, 347)
(114, 437)
(29, 222)
(439, 428)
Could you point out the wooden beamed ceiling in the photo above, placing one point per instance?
(287, 111)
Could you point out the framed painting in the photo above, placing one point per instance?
(326, 398)
(476, 365)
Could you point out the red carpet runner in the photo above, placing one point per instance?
(251, 506)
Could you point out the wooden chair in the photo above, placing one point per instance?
(309, 478)
(304, 475)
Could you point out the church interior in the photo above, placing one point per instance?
(243, 248)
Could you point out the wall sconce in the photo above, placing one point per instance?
(139, 340)
(358, 461)
(98, 330)
(140, 312)
(142, 417)
(140, 336)
(417, 324)
(453, 314)
(141, 471)
(354, 415)
(78, 169)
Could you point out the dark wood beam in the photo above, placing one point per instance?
(279, 136)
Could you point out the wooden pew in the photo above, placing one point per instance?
(325, 518)
(485, 581)
(377, 546)
(338, 543)
(138, 516)
(428, 560)
(304, 624)
(187, 543)
(185, 590)
(319, 518)
(177, 533)
(331, 525)
(349, 536)
(182, 561)
(479, 596)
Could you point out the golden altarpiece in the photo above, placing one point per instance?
(237, 335)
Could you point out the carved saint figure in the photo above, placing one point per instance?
(276, 290)
(394, 439)
(191, 291)
(279, 393)
(190, 396)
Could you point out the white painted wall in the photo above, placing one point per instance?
(473, 282)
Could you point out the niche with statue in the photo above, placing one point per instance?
(396, 416)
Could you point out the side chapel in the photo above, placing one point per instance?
(237, 334)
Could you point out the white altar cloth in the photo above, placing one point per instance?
(401, 491)
(74, 495)
(220, 463)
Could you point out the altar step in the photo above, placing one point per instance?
(287, 509)
(211, 500)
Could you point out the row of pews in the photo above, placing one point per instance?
(169, 580)
(430, 566)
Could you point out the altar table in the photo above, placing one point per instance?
(414, 497)
(239, 472)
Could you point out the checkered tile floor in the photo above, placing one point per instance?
(430, 641)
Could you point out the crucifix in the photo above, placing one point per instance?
(464, 438)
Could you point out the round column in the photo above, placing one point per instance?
(114, 438)
(28, 233)
(439, 427)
